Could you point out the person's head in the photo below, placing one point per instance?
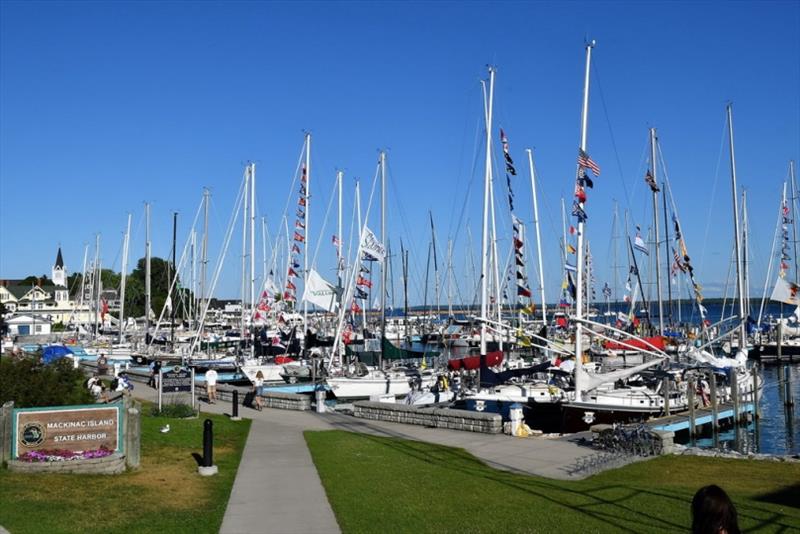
(259, 375)
(713, 512)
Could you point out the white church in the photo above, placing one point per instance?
(33, 309)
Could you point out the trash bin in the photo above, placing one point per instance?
(319, 395)
(515, 415)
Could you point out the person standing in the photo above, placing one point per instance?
(211, 386)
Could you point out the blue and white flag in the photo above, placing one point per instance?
(638, 244)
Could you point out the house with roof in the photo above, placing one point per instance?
(47, 304)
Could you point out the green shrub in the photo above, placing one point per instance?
(178, 410)
(30, 383)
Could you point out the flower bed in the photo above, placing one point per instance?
(60, 455)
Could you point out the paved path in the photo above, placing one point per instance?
(277, 488)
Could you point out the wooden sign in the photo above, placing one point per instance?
(72, 428)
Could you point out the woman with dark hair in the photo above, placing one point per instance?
(713, 512)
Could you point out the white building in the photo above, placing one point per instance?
(27, 325)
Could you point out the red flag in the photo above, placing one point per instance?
(302, 201)
(363, 282)
(290, 285)
(295, 249)
(257, 316)
(580, 194)
(572, 230)
(291, 272)
(354, 307)
(299, 237)
(517, 243)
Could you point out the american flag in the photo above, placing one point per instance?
(585, 161)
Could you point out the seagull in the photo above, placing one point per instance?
(165, 429)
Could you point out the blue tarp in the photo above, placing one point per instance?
(54, 352)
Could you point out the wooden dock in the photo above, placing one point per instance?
(702, 416)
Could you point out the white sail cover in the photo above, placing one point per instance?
(319, 292)
(786, 292)
(594, 380)
(703, 356)
(372, 246)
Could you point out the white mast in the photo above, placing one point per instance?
(655, 227)
(147, 295)
(96, 284)
(252, 252)
(385, 260)
(193, 281)
(83, 281)
(745, 254)
(498, 292)
(307, 235)
(123, 281)
(737, 238)
(579, 262)
(204, 254)
(339, 259)
(538, 237)
(243, 293)
(357, 265)
(486, 193)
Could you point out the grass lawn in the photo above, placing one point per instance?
(379, 484)
(164, 495)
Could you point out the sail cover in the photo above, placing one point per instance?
(593, 380)
(319, 292)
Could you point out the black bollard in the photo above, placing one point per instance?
(235, 407)
(208, 443)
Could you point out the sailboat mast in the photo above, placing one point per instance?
(737, 235)
(581, 224)
(204, 253)
(485, 232)
(383, 263)
(538, 236)
(655, 228)
(97, 286)
(147, 288)
(124, 277)
(244, 260)
(172, 301)
(745, 255)
(339, 237)
(307, 237)
(435, 264)
(252, 252)
(794, 218)
(450, 278)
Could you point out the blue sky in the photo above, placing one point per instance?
(104, 106)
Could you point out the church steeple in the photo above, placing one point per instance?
(59, 272)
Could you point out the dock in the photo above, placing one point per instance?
(702, 416)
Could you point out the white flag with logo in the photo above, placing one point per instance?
(786, 292)
(319, 292)
(371, 246)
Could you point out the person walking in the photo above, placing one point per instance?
(257, 383)
(211, 386)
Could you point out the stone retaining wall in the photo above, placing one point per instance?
(110, 465)
(287, 401)
(487, 423)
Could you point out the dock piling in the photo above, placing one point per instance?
(780, 341)
(666, 396)
(712, 382)
(787, 387)
(755, 392)
(690, 391)
(735, 397)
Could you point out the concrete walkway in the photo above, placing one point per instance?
(277, 488)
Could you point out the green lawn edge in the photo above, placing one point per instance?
(379, 484)
(164, 495)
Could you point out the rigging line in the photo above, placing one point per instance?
(771, 259)
(713, 191)
(322, 229)
(470, 184)
(466, 115)
(610, 130)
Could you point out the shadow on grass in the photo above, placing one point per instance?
(789, 496)
(623, 513)
(198, 458)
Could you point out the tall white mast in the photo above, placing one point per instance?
(193, 281)
(204, 253)
(252, 252)
(147, 295)
(655, 227)
(538, 236)
(339, 237)
(385, 259)
(498, 282)
(737, 238)
(97, 285)
(486, 193)
(123, 281)
(579, 263)
(243, 293)
(794, 219)
(307, 235)
(83, 282)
